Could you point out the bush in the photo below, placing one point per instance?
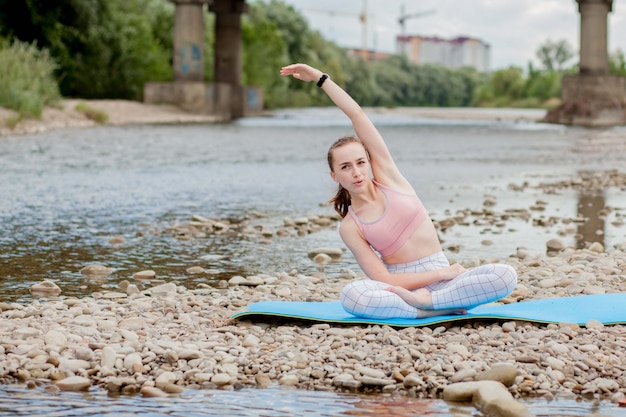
(97, 115)
(27, 82)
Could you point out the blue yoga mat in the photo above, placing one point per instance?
(605, 308)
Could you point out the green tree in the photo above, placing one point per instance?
(27, 82)
(264, 52)
(543, 85)
(393, 81)
(104, 48)
(554, 55)
(298, 43)
(617, 63)
(360, 80)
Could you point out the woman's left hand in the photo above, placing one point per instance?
(301, 72)
(451, 272)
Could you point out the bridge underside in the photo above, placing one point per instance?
(225, 97)
(590, 98)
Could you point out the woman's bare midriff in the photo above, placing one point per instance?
(422, 243)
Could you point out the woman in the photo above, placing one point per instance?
(410, 277)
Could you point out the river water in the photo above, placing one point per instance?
(64, 194)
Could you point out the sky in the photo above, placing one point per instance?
(514, 29)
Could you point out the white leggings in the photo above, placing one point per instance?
(484, 284)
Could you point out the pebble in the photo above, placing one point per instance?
(74, 383)
(96, 270)
(45, 288)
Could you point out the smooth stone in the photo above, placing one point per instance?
(73, 365)
(45, 287)
(463, 374)
(221, 379)
(165, 378)
(250, 341)
(505, 374)
(333, 254)
(322, 258)
(262, 380)
(202, 377)
(195, 270)
(163, 289)
(117, 240)
(555, 245)
(74, 383)
(153, 392)
(381, 382)
(490, 397)
(98, 270)
(289, 380)
(132, 360)
(147, 274)
(374, 373)
(108, 357)
(132, 323)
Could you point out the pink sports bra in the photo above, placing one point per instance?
(404, 213)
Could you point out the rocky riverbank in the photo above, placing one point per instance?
(116, 112)
(159, 337)
(167, 338)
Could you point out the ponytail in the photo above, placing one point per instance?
(341, 201)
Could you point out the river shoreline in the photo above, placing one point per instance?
(128, 112)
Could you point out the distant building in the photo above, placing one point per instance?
(368, 55)
(452, 53)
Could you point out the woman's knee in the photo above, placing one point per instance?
(352, 290)
(351, 296)
(508, 274)
(356, 297)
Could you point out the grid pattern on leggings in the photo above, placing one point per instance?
(480, 285)
(369, 298)
(486, 283)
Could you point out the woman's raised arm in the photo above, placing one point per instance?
(383, 166)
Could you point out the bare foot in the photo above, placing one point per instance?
(422, 300)
(422, 314)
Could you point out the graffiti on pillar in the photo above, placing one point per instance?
(253, 99)
(189, 58)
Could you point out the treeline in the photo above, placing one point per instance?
(110, 48)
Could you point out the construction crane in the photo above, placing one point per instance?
(404, 17)
(363, 17)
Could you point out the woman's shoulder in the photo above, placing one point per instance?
(348, 227)
(402, 187)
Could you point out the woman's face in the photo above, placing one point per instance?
(350, 166)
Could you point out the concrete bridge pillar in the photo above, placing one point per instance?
(593, 97)
(189, 40)
(228, 49)
(594, 55)
(225, 98)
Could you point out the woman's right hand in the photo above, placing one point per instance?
(451, 272)
(301, 72)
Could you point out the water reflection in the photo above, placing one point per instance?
(591, 211)
(273, 402)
